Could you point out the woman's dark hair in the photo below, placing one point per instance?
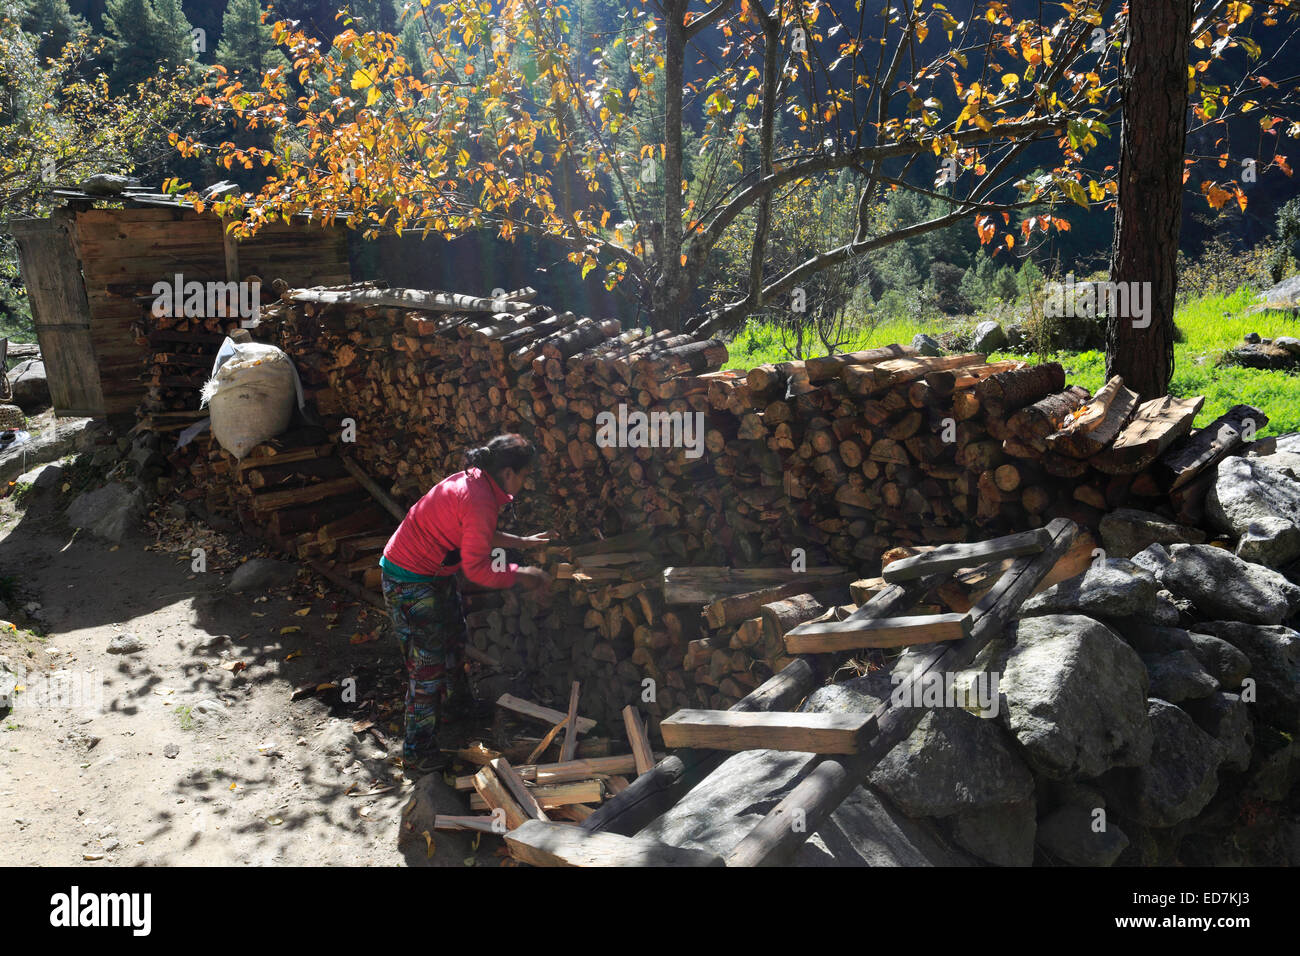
(504, 451)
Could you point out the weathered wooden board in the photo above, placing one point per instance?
(554, 844)
(546, 715)
(849, 634)
(950, 557)
(732, 730)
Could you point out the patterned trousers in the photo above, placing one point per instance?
(430, 626)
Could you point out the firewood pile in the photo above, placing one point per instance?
(685, 564)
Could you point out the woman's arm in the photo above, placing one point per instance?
(501, 539)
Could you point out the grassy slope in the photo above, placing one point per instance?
(1207, 327)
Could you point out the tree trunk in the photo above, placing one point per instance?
(1149, 215)
(669, 293)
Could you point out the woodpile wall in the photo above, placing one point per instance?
(803, 469)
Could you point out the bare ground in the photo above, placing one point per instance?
(187, 761)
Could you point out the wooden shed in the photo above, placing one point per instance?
(89, 270)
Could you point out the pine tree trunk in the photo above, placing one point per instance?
(1150, 190)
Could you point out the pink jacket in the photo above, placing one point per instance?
(458, 512)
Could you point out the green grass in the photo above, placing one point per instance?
(1206, 326)
(185, 715)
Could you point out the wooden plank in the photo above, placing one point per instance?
(368, 483)
(636, 736)
(554, 795)
(775, 839)
(1103, 417)
(703, 584)
(473, 823)
(554, 844)
(61, 315)
(570, 745)
(1156, 425)
(515, 784)
(546, 715)
(546, 741)
(951, 557)
(1208, 446)
(728, 730)
(416, 299)
(581, 769)
(652, 794)
(275, 500)
(829, 636)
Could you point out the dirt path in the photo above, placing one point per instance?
(188, 761)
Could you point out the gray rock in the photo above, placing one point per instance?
(1154, 559)
(109, 512)
(1227, 719)
(1260, 503)
(1126, 531)
(107, 184)
(8, 684)
(1288, 342)
(42, 477)
(1221, 660)
(1228, 665)
(50, 445)
(1114, 587)
(1251, 338)
(989, 337)
(1224, 587)
(31, 390)
(1180, 778)
(1069, 833)
(1167, 612)
(1002, 835)
(125, 644)
(1274, 653)
(1177, 676)
(1075, 697)
(208, 710)
(931, 773)
(1276, 771)
(171, 751)
(258, 574)
(926, 345)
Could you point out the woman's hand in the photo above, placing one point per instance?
(532, 579)
(539, 540)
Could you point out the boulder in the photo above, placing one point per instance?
(1075, 834)
(930, 774)
(42, 477)
(1167, 612)
(1126, 531)
(258, 574)
(1224, 587)
(1260, 504)
(50, 445)
(1225, 663)
(926, 345)
(1002, 835)
(1155, 559)
(1177, 676)
(109, 512)
(1180, 777)
(989, 337)
(1274, 653)
(1075, 697)
(31, 390)
(125, 644)
(1114, 587)
(1227, 719)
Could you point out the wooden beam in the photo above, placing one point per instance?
(951, 557)
(828, 636)
(368, 483)
(546, 715)
(478, 824)
(580, 769)
(728, 730)
(553, 795)
(652, 794)
(774, 840)
(554, 844)
(546, 741)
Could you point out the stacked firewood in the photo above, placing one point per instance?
(181, 353)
